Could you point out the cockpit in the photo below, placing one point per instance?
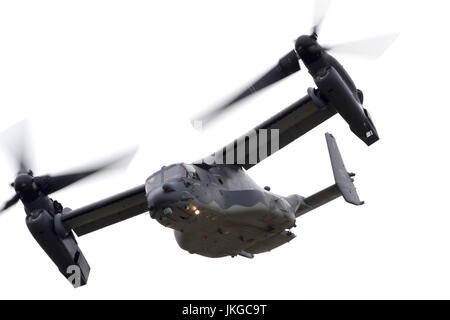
(170, 173)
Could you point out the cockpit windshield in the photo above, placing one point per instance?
(177, 171)
(169, 173)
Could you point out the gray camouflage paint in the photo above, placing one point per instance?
(235, 215)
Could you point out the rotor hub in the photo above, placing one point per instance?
(307, 48)
(25, 186)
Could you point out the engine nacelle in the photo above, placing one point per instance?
(348, 104)
(60, 246)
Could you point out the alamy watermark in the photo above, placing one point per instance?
(251, 148)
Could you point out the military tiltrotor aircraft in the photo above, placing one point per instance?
(213, 206)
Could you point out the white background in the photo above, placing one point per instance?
(95, 77)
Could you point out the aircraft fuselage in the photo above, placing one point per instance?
(219, 211)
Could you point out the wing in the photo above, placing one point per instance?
(273, 134)
(106, 212)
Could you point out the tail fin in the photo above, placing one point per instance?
(344, 179)
(344, 183)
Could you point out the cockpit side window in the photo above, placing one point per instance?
(153, 182)
(192, 172)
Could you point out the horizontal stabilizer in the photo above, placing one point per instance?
(343, 187)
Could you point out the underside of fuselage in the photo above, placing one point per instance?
(219, 211)
(218, 233)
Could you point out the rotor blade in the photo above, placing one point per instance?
(286, 66)
(8, 204)
(16, 139)
(49, 184)
(320, 11)
(370, 47)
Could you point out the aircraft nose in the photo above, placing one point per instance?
(161, 198)
(168, 187)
